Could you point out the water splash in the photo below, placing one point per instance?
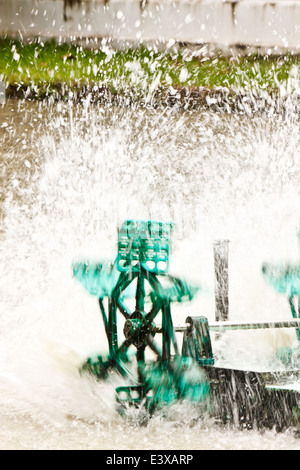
(82, 170)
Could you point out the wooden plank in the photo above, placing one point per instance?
(290, 387)
(229, 326)
(225, 326)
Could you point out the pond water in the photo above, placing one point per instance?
(69, 175)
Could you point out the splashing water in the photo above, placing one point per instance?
(69, 175)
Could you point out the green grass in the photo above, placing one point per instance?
(44, 68)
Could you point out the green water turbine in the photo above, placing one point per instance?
(140, 273)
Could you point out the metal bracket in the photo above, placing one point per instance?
(197, 342)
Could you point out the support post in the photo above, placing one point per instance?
(298, 299)
(221, 280)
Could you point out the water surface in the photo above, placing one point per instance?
(68, 176)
